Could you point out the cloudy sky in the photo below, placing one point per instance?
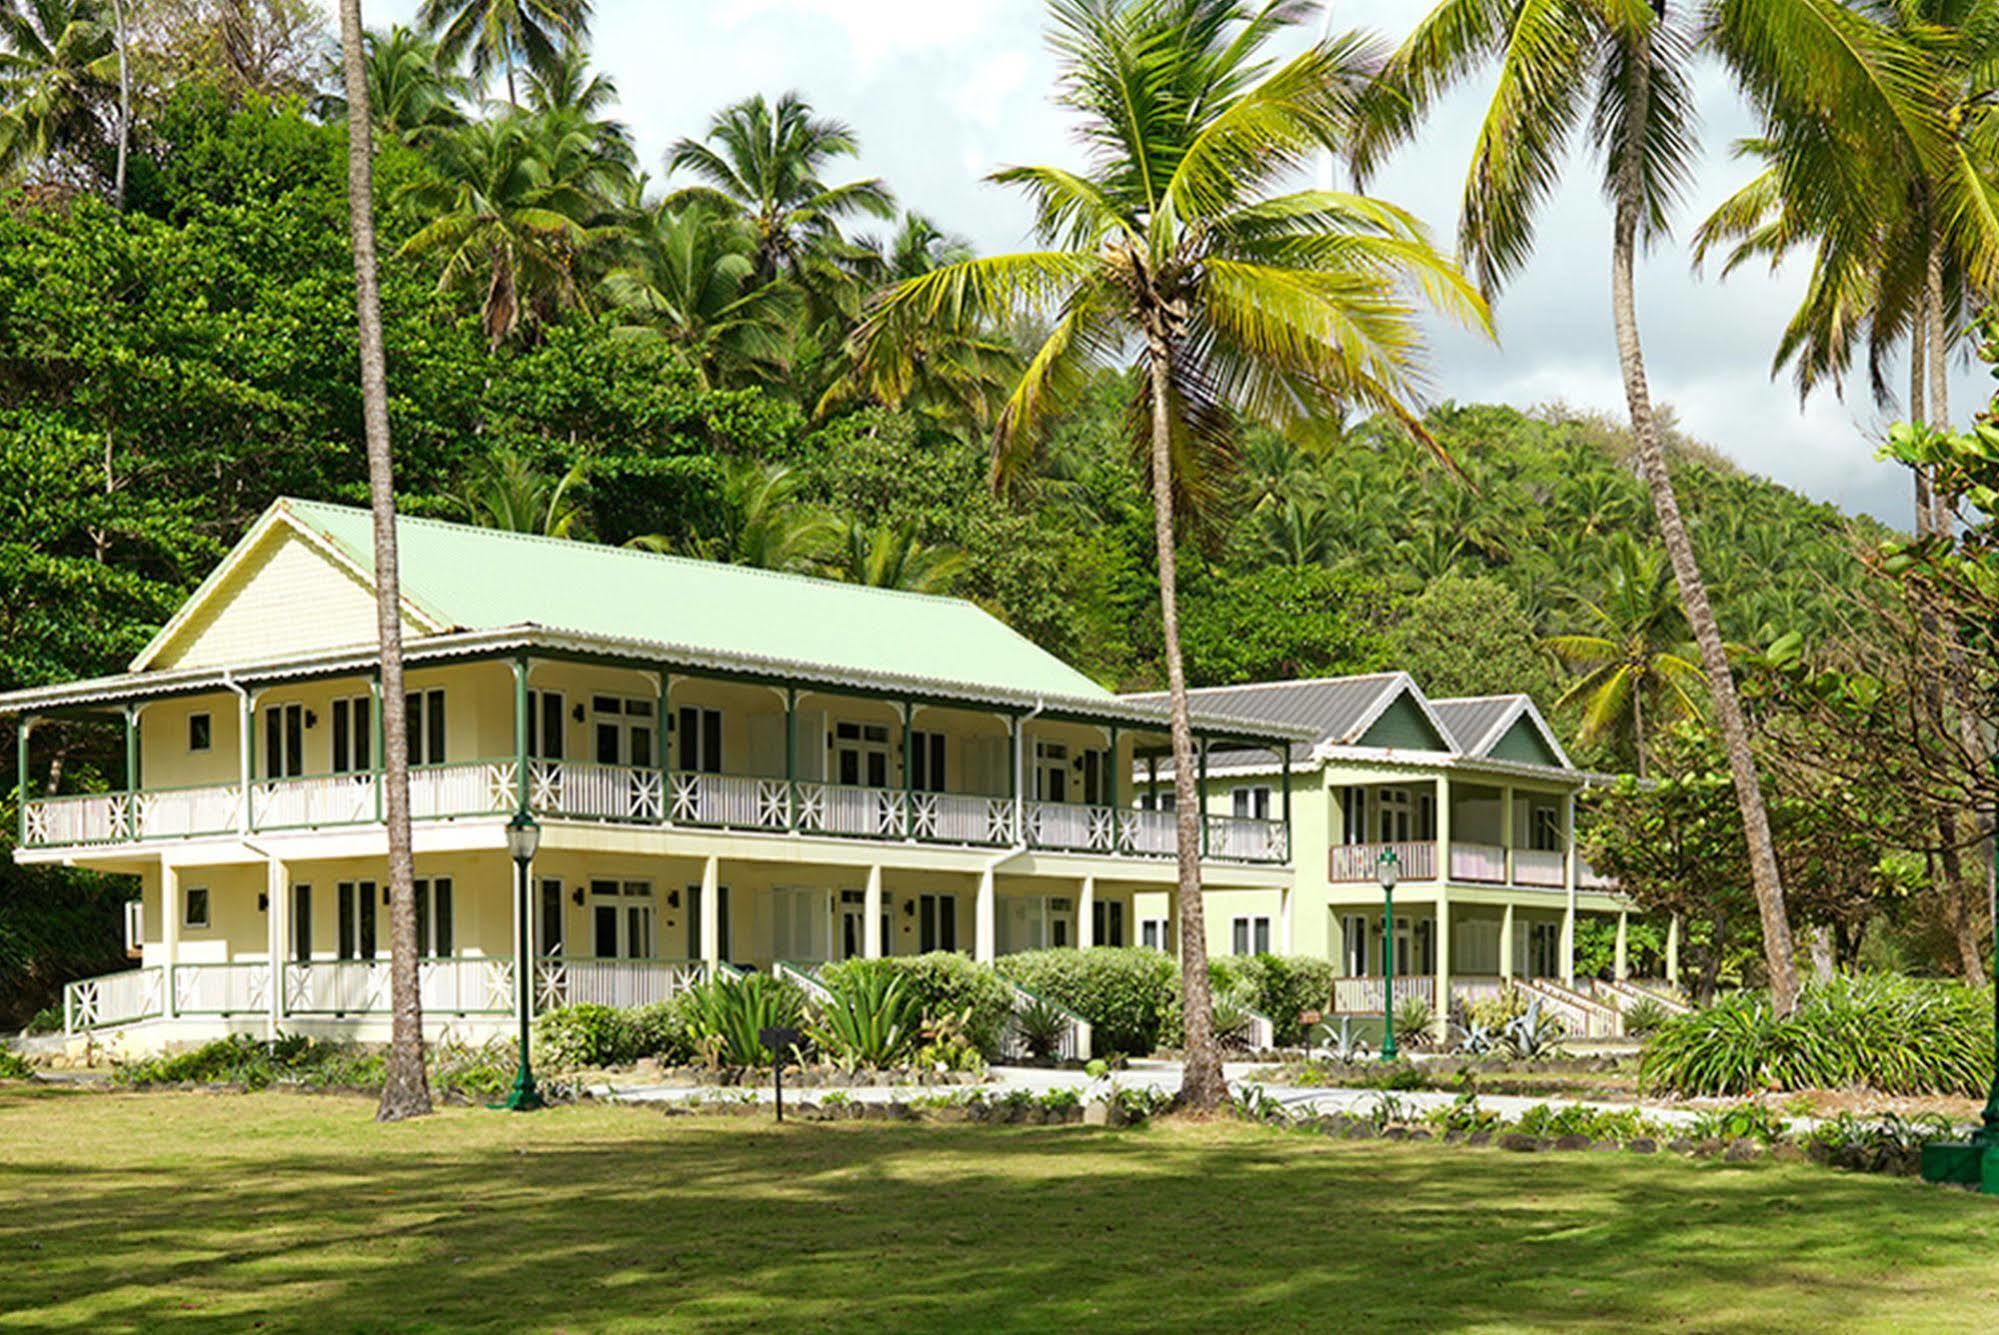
(943, 91)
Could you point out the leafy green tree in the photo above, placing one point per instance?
(500, 34)
(1626, 64)
(1280, 624)
(1177, 245)
(1470, 636)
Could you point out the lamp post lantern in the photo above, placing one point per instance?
(523, 840)
(1389, 870)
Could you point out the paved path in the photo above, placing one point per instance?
(1163, 1076)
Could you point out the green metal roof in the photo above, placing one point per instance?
(482, 579)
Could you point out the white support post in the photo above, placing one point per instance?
(1443, 828)
(1086, 914)
(1441, 931)
(275, 876)
(984, 937)
(246, 766)
(1569, 941)
(1281, 941)
(170, 915)
(1623, 957)
(1673, 950)
(1506, 833)
(1506, 943)
(871, 915)
(711, 914)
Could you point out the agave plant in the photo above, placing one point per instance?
(1341, 1042)
(1040, 1026)
(728, 1016)
(873, 1019)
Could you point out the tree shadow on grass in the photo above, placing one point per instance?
(586, 1219)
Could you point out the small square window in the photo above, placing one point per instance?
(200, 732)
(195, 913)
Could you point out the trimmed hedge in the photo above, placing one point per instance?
(583, 1036)
(1127, 994)
(1888, 1033)
(946, 983)
(1278, 986)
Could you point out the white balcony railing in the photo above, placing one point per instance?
(1362, 996)
(1351, 863)
(306, 803)
(180, 813)
(1589, 878)
(1478, 862)
(955, 818)
(560, 981)
(596, 792)
(112, 999)
(831, 808)
(1247, 839)
(1540, 867)
(1071, 826)
(1148, 833)
(474, 788)
(222, 989)
(732, 801)
(473, 986)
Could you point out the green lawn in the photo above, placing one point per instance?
(155, 1211)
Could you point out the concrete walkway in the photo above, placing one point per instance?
(1161, 1076)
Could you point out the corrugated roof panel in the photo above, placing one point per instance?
(1471, 718)
(1338, 708)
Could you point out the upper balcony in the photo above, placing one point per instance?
(1468, 864)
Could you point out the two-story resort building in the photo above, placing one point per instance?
(1474, 799)
(731, 768)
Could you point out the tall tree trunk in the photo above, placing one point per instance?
(1778, 949)
(124, 107)
(406, 1090)
(1918, 395)
(1638, 726)
(1202, 1087)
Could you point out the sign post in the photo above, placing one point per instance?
(778, 1041)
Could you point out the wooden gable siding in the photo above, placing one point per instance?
(1523, 742)
(284, 598)
(1403, 726)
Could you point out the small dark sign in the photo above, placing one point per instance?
(778, 1040)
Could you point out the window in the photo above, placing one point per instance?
(284, 741)
(433, 917)
(1252, 802)
(1107, 922)
(1397, 810)
(936, 922)
(1162, 800)
(1544, 950)
(200, 732)
(1426, 815)
(426, 726)
(194, 908)
(860, 755)
(1051, 772)
(1544, 829)
(926, 750)
(1252, 936)
(135, 926)
(1353, 815)
(694, 922)
(1096, 778)
(621, 919)
(354, 905)
(353, 735)
(622, 731)
(551, 917)
(545, 728)
(1152, 933)
(1353, 944)
(302, 923)
(699, 732)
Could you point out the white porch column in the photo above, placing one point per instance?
(1506, 832)
(1673, 950)
(984, 937)
(1569, 941)
(277, 918)
(1623, 957)
(871, 915)
(711, 913)
(1336, 937)
(1086, 914)
(1569, 886)
(1441, 935)
(1281, 938)
(170, 913)
(1506, 942)
(1443, 827)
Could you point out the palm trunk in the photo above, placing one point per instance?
(405, 1090)
(1779, 952)
(124, 107)
(1918, 340)
(1638, 726)
(1201, 1085)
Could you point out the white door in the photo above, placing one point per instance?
(850, 926)
(1051, 772)
(1353, 945)
(621, 920)
(799, 928)
(1395, 815)
(860, 755)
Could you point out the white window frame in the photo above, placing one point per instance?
(636, 915)
(429, 728)
(1154, 932)
(1250, 934)
(207, 722)
(135, 926)
(632, 720)
(1251, 801)
(427, 900)
(1051, 761)
(544, 706)
(290, 748)
(691, 745)
(1355, 928)
(867, 745)
(341, 716)
(1396, 815)
(189, 897)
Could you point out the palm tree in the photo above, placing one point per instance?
(689, 280)
(1175, 254)
(514, 203)
(1623, 64)
(405, 1088)
(766, 162)
(770, 525)
(894, 558)
(1296, 532)
(58, 71)
(1634, 657)
(508, 492)
(411, 98)
(498, 34)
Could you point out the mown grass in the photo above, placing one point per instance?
(161, 1211)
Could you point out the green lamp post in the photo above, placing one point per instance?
(1389, 870)
(523, 840)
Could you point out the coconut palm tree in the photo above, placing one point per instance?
(769, 523)
(894, 558)
(688, 279)
(405, 1088)
(412, 99)
(1635, 668)
(508, 492)
(1622, 66)
(767, 162)
(500, 34)
(59, 79)
(1180, 253)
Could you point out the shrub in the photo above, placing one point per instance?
(1278, 986)
(587, 1035)
(242, 1060)
(874, 1019)
(1127, 994)
(13, 1066)
(1644, 1016)
(950, 990)
(1494, 1013)
(1744, 1121)
(1041, 1025)
(1891, 1034)
(726, 1018)
(1618, 1124)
